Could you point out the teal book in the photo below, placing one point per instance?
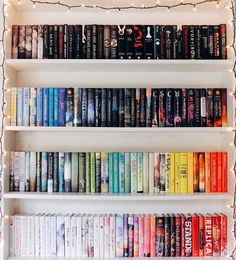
(44, 171)
(122, 172)
(116, 172)
(87, 177)
(104, 172)
(133, 165)
(127, 173)
(140, 173)
(61, 172)
(110, 172)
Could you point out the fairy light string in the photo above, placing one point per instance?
(107, 9)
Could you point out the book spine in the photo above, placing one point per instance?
(216, 41)
(133, 107)
(154, 107)
(106, 236)
(177, 107)
(224, 172)
(62, 107)
(97, 107)
(110, 172)
(209, 108)
(47, 235)
(115, 172)
(216, 223)
(96, 236)
(55, 171)
(224, 113)
(192, 42)
(34, 42)
(40, 42)
(211, 41)
(148, 107)
(98, 173)
(119, 236)
(22, 42)
(148, 41)
(75, 172)
(133, 172)
(23, 235)
(203, 106)
(130, 236)
(73, 236)
(27, 171)
(112, 236)
(71, 42)
(180, 42)
(141, 235)
(177, 172)
(127, 108)
(138, 42)
(184, 108)
(223, 235)
(146, 236)
(49, 180)
(39, 106)
(33, 106)
(67, 172)
(183, 219)
(94, 41)
(60, 236)
(51, 42)
(77, 107)
(61, 42)
(22, 176)
(139, 172)
(78, 42)
(198, 37)
(143, 107)
(109, 107)
(121, 172)
(186, 41)
(197, 107)
(172, 172)
(168, 42)
(129, 42)
(204, 42)
(208, 236)
(30, 235)
(114, 46)
(103, 107)
(45, 106)
(87, 168)
(196, 172)
(45, 41)
(26, 103)
(92, 172)
(162, 108)
(65, 41)
(12, 235)
(107, 42)
(84, 42)
(223, 41)
(190, 172)
(138, 106)
(201, 235)
(188, 236)
(44, 171)
(156, 172)
(201, 172)
(152, 236)
(195, 235)
(121, 41)
(91, 107)
(167, 235)
(104, 172)
(160, 236)
(51, 107)
(13, 120)
(145, 173)
(56, 41)
(42, 230)
(167, 172)
(82, 173)
(169, 108)
(15, 42)
(191, 108)
(100, 42)
(162, 172)
(84, 234)
(56, 107)
(79, 235)
(84, 109)
(157, 42)
(69, 106)
(61, 172)
(115, 108)
(90, 236)
(127, 173)
(217, 99)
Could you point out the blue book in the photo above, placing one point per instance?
(45, 106)
(39, 106)
(110, 172)
(61, 172)
(121, 172)
(77, 107)
(116, 172)
(56, 107)
(50, 107)
(44, 171)
(69, 107)
(62, 107)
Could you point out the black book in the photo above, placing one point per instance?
(97, 107)
(167, 236)
(88, 29)
(55, 171)
(94, 41)
(179, 44)
(56, 41)
(203, 108)
(157, 42)
(204, 42)
(209, 107)
(177, 107)
(109, 107)
(28, 42)
(100, 42)
(154, 110)
(197, 42)
(61, 41)
(148, 107)
(78, 41)
(91, 107)
(84, 104)
(98, 173)
(217, 97)
(148, 40)
(138, 41)
(216, 41)
(104, 107)
(50, 184)
(121, 41)
(51, 42)
(121, 107)
(162, 108)
(66, 45)
(84, 42)
(127, 107)
(160, 236)
(133, 107)
(191, 108)
(211, 41)
(172, 236)
(168, 42)
(175, 42)
(186, 37)
(107, 41)
(78, 107)
(163, 43)
(45, 41)
(192, 42)
(184, 107)
(169, 108)
(129, 42)
(71, 41)
(138, 106)
(113, 41)
(142, 107)
(197, 107)
(115, 107)
(223, 41)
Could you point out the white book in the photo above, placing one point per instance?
(96, 235)
(23, 235)
(90, 236)
(101, 236)
(79, 235)
(27, 171)
(112, 236)
(75, 172)
(133, 172)
(22, 176)
(60, 235)
(30, 235)
(67, 235)
(42, 226)
(119, 236)
(48, 235)
(73, 236)
(19, 115)
(145, 173)
(32, 171)
(84, 232)
(12, 235)
(26, 112)
(16, 171)
(107, 236)
(53, 235)
(151, 172)
(167, 172)
(17, 228)
(37, 234)
(162, 172)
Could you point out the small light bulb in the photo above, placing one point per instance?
(228, 7)
(168, 9)
(182, 1)
(6, 14)
(4, 166)
(194, 8)
(231, 144)
(230, 70)
(132, 4)
(19, 2)
(8, 90)
(83, 5)
(107, 11)
(94, 6)
(69, 11)
(231, 93)
(34, 4)
(6, 217)
(158, 2)
(142, 5)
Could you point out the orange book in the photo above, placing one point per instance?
(224, 171)
(153, 236)
(195, 172)
(219, 171)
(214, 172)
(201, 235)
(201, 172)
(223, 235)
(195, 235)
(207, 172)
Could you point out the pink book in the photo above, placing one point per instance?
(152, 236)
(146, 236)
(141, 234)
(136, 237)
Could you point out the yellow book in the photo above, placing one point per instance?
(172, 172)
(177, 172)
(13, 107)
(184, 173)
(190, 172)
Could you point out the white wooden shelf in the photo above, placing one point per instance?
(117, 197)
(57, 65)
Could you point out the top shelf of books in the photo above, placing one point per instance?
(21, 65)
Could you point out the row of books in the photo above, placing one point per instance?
(110, 235)
(118, 172)
(118, 107)
(119, 42)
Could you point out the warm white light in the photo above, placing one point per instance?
(107, 11)
(34, 5)
(94, 6)
(142, 5)
(83, 5)
(229, 206)
(231, 144)
(231, 93)
(19, 2)
(182, 1)
(6, 217)
(68, 10)
(218, 4)
(132, 4)
(4, 166)
(168, 9)
(194, 8)
(8, 90)
(158, 2)
(228, 7)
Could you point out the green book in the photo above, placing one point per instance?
(127, 173)
(82, 172)
(92, 172)
(116, 172)
(110, 172)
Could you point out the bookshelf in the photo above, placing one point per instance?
(118, 73)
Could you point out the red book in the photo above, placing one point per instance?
(188, 235)
(216, 219)
(201, 235)
(223, 235)
(178, 235)
(208, 236)
(219, 172)
(224, 172)
(195, 224)
(182, 235)
(214, 172)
